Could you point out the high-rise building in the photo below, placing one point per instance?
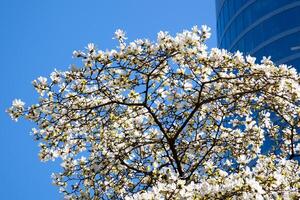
(261, 28)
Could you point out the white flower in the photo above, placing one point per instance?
(181, 70)
(162, 92)
(255, 185)
(250, 60)
(297, 148)
(91, 47)
(239, 57)
(188, 86)
(216, 54)
(55, 76)
(42, 80)
(223, 173)
(209, 165)
(228, 162)
(78, 54)
(195, 29)
(17, 103)
(55, 154)
(266, 60)
(120, 34)
(155, 164)
(205, 31)
(161, 35)
(83, 159)
(242, 159)
(279, 178)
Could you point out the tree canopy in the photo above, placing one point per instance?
(169, 120)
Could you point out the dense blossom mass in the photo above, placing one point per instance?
(169, 120)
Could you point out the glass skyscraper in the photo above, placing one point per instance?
(261, 28)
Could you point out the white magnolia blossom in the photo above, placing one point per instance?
(169, 120)
(120, 34)
(18, 103)
(246, 184)
(91, 47)
(17, 109)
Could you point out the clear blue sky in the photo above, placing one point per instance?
(37, 36)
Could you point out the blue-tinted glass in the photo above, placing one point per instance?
(226, 9)
(247, 16)
(242, 44)
(235, 6)
(239, 3)
(252, 13)
(260, 23)
(222, 20)
(230, 36)
(295, 63)
(225, 41)
(281, 48)
(235, 32)
(231, 11)
(273, 26)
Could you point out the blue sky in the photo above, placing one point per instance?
(37, 36)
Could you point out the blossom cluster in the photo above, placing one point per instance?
(169, 119)
(270, 178)
(17, 109)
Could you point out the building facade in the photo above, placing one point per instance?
(261, 28)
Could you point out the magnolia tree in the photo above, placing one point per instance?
(169, 120)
